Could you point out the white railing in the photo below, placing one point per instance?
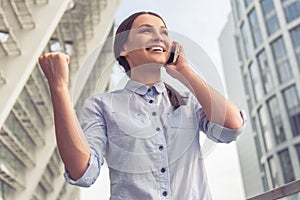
(287, 191)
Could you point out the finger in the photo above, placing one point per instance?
(68, 59)
(41, 59)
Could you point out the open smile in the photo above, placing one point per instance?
(156, 49)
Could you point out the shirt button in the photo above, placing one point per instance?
(161, 148)
(163, 170)
(165, 193)
(154, 113)
(157, 129)
(150, 101)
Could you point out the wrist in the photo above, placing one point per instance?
(58, 88)
(186, 71)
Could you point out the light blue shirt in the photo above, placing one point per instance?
(152, 151)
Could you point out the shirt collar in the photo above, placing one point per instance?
(142, 89)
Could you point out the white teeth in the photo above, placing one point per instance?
(156, 49)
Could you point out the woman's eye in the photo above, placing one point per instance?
(146, 30)
(164, 32)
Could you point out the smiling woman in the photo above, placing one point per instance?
(147, 132)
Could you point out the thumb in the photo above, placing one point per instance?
(68, 59)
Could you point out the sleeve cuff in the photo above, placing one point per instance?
(89, 176)
(222, 134)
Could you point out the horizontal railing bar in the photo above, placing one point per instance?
(282, 191)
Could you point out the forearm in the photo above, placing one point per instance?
(71, 143)
(217, 108)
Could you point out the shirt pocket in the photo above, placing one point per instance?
(131, 133)
(182, 118)
(137, 125)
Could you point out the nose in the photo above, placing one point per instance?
(157, 36)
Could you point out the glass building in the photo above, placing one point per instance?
(265, 36)
(30, 165)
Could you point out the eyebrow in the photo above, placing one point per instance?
(148, 25)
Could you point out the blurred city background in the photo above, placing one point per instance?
(255, 45)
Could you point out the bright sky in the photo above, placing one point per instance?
(201, 21)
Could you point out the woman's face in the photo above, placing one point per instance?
(147, 42)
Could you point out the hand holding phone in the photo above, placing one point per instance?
(174, 53)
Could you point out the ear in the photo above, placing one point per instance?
(123, 51)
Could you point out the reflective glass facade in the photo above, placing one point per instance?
(269, 32)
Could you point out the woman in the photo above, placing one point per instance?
(147, 132)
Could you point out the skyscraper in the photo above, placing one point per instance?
(265, 39)
(30, 166)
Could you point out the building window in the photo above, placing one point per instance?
(265, 71)
(295, 34)
(265, 129)
(253, 125)
(11, 164)
(245, 40)
(258, 148)
(291, 9)
(281, 60)
(54, 45)
(14, 125)
(298, 151)
(238, 9)
(4, 35)
(270, 16)
(273, 172)
(255, 29)
(5, 190)
(69, 48)
(292, 104)
(35, 117)
(246, 83)
(264, 179)
(286, 166)
(255, 81)
(277, 125)
(40, 192)
(248, 2)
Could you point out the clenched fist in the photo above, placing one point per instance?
(55, 68)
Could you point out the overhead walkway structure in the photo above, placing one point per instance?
(30, 165)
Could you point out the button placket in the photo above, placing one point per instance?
(162, 171)
(161, 147)
(165, 193)
(162, 156)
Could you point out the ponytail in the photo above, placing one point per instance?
(175, 98)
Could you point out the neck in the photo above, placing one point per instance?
(147, 74)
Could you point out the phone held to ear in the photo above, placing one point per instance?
(173, 54)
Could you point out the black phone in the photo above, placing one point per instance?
(173, 54)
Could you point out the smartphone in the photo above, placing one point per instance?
(173, 54)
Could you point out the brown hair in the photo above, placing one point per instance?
(121, 37)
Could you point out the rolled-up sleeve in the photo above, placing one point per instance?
(94, 127)
(214, 131)
(89, 176)
(221, 134)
